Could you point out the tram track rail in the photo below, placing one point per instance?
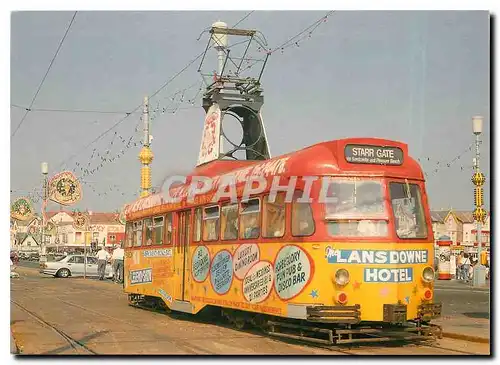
(75, 344)
(191, 349)
(81, 348)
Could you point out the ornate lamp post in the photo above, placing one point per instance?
(45, 171)
(479, 213)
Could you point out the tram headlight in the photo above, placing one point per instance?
(428, 274)
(342, 277)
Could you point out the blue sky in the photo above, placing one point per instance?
(416, 77)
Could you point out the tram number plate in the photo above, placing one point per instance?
(376, 155)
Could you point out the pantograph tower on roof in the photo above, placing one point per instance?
(234, 93)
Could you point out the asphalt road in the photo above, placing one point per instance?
(460, 298)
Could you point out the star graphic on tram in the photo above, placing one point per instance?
(356, 284)
(384, 291)
(314, 293)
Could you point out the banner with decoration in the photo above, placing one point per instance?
(50, 228)
(81, 221)
(22, 209)
(65, 189)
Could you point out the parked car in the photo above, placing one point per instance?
(34, 256)
(73, 265)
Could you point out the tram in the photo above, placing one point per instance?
(337, 262)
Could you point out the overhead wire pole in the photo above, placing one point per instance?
(45, 76)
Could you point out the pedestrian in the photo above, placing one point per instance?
(465, 267)
(460, 259)
(102, 258)
(117, 258)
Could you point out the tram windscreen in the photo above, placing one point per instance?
(409, 215)
(355, 208)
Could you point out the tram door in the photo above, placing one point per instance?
(182, 253)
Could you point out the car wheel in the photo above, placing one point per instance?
(63, 273)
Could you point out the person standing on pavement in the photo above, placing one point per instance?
(117, 258)
(465, 267)
(459, 266)
(102, 258)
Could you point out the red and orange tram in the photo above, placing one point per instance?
(338, 261)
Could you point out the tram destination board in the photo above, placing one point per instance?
(376, 155)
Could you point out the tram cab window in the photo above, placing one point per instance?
(168, 229)
(355, 208)
(138, 234)
(129, 234)
(211, 224)
(229, 222)
(197, 225)
(273, 215)
(409, 218)
(158, 230)
(250, 219)
(302, 217)
(148, 231)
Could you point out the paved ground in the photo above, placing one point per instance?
(466, 310)
(76, 316)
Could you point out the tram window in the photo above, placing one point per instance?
(274, 216)
(250, 219)
(197, 225)
(168, 229)
(406, 202)
(354, 197)
(357, 228)
(357, 209)
(229, 222)
(138, 233)
(302, 217)
(211, 224)
(158, 230)
(148, 231)
(130, 234)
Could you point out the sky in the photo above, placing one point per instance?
(414, 77)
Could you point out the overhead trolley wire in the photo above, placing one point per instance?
(45, 76)
(140, 105)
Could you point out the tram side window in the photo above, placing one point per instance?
(148, 231)
(274, 216)
(130, 234)
(229, 222)
(168, 229)
(158, 230)
(250, 219)
(406, 202)
(138, 233)
(197, 225)
(211, 224)
(302, 217)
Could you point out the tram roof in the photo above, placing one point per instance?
(321, 159)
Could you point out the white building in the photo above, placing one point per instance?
(461, 228)
(104, 228)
